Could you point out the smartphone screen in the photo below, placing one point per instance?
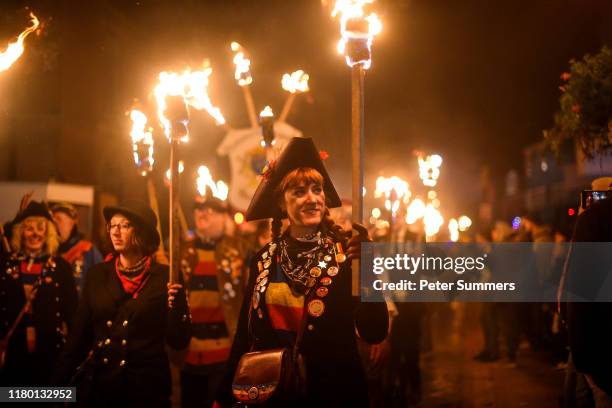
(589, 197)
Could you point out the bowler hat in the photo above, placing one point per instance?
(137, 212)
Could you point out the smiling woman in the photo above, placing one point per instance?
(35, 281)
(299, 296)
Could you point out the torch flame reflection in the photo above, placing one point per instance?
(218, 189)
(296, 82)
(193, 87)
(15, 49)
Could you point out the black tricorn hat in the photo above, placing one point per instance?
(137, 212)
(299, 152)
(34, 209)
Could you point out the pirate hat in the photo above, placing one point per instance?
(299, 152)
(139, 213)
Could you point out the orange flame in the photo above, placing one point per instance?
(353, 19)
(15, 49)
(193, 87)
(296, 82)
(141, 135)
(218, 189)
(243, 65)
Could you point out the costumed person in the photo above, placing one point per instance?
(299, 292)
(80, 253)
(127, 314)
(37, 297)
(214, 266)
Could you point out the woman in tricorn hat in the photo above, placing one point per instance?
(305, 273)
(125, 318)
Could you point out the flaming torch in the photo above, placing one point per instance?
(429, 169)
(142, 142)
(266, 119)
(174, 94)
(244, 79)
(205, 180)
(294, 83)
(357, 29)
(15, 49)
(395, 191)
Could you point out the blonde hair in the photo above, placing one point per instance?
(51, 242)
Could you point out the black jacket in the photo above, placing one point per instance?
(589, 323)
(128, 337)
(334, 372)
(52, 311)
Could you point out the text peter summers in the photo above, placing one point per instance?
(424, 284)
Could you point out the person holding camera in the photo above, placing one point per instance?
(589, 323)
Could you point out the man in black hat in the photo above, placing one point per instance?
(35, 280)
(214, 266)
(80, 253)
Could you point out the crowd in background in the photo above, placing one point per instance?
(44, 241)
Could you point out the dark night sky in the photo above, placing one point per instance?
(474, 80)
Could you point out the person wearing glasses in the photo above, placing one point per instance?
(126, 316)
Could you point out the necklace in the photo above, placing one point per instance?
(299, 268)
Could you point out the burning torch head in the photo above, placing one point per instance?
(178, 115)
(266, 119)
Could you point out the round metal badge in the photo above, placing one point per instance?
(316, 307)
(327, 258)
(253, 393)
(315, 272)
(332, 271)
(322, 291)
(255, 300)
(340, 258)
(326, 281)
(262, 275)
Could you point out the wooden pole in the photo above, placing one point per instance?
(248, 98)
(287, 107)
(357, 144)
(155, 207)
(175, 228)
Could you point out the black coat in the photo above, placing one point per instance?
(52, 311)
(335, 375)
(128, 338)
(589, 323)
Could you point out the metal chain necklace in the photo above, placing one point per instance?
(298, 271)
